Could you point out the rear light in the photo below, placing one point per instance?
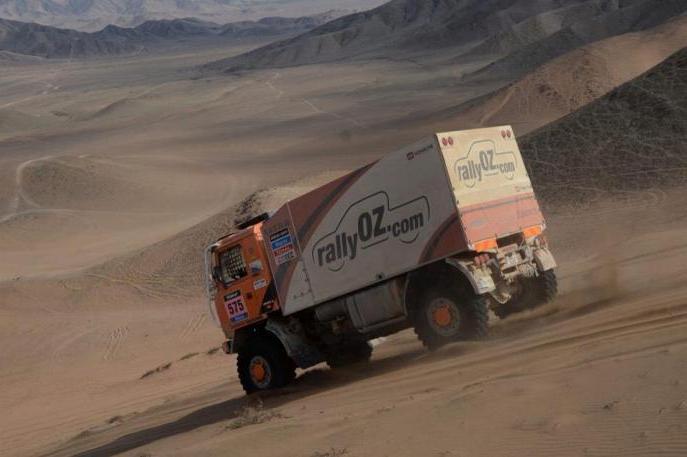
(486, 245)
(531, 232)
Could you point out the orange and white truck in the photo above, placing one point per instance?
(431, 236)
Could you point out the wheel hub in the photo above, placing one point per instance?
(260, 372)
(444, 316)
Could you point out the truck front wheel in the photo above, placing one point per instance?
(264, 365)
(450, 313)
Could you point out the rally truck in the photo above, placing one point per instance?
(432, 236)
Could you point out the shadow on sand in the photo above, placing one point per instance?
(314, 382)
(309, 383)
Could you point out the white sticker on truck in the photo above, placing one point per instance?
(367, 223)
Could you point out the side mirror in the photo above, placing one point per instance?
(217, 274)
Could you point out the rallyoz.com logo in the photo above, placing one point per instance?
(367, 223)
(482, 161)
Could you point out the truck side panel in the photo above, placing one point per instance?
(283, 251)
(373, 224)
(491, 186)
(433, 199)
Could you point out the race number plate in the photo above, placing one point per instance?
(236, 308)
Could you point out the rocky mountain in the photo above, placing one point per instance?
(51, 42)
(44, 41)
(513, 35)
(93, 15)
(629, 141)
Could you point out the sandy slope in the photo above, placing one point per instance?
(104, 208)
(599, 372)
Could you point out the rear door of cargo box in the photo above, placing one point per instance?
(491, 186)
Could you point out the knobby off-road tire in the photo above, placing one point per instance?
(449, 313)
(349, 354)
(263, 364)
(534, 292)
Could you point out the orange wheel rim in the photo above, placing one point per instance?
(257, 371)
(442, 316)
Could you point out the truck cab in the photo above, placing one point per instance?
(240, 287)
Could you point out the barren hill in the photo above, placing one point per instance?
(630, 140)
(613, 18)
(44, 41)
(570, 81)
(524, 33)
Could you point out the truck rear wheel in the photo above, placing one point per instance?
(533, 292)
(451, 313)
(264, 365)
(349, 354)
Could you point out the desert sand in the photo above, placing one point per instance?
(115, 173)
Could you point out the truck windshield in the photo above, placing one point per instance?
(232, 264)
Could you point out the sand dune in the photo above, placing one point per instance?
(12, 120)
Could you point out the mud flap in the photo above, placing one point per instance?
(544, 259)
(480, 280)
(301, 351)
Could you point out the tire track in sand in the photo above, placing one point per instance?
(114, 342)
(193, 325)
(20, 194)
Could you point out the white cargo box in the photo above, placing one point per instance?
(436, 198)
